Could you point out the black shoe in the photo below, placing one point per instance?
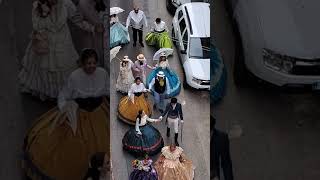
(134, 44)
(142, 44)
(168, 132)
(176, 139)
(161, 111)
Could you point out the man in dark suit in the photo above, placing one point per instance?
(220, 153)
(174, 111)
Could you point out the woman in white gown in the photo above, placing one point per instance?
(50, 57)
(125, 77)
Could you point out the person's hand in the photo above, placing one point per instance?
(99, 28)
(160, 118)
(182, 121)
(139, 133)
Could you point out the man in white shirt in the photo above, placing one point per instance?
(136, 19)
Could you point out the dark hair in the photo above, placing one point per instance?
(100, 6)
(39, 9)
(137, 78)
(86, 54)
(158, 20)
(97, 161)
(162, 58)
(139, 115)
(174, 100)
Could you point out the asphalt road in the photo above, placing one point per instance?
(274, 133)
(196, 108)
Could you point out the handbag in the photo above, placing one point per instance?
(40, 43)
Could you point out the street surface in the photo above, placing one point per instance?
(196, 107)
(274, 134)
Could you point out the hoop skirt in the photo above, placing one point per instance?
(174, 80)
(128, 111)
(140, 174)
(62, 154)
(218, 77)
(160, 40)
(118, 35)
(150, 142)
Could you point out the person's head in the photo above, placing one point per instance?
(162, 58)
(158, 20)
(98, 165)
(160, 75)
(141, 58)
(173, 101)
(125, 61)
(89, 59)
(136, 9)
(172, 147)
(137, 80)
(100, 6)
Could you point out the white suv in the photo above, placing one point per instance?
(280, 41)
(191, 30)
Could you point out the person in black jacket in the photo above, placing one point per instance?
(174, 111)
(220, 153)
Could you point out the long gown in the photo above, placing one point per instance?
(125, 78)
(149, 142)
(218, 77)
(172, 168)
(128, 110)
(93, 40)
(174, 80)
(44, 75)
(143, 170)
(159, 37)
(59, 145)
(119, 35)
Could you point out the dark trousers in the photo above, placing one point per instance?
(135, 32)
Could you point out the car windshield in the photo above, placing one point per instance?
(199, 48)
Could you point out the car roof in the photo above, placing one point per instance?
(199, 15)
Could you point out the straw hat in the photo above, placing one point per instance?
(160, 74)
(141, 57)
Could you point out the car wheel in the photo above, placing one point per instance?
(185, 85)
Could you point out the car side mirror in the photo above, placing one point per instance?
(183, 52)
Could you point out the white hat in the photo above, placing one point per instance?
(125, 58)
(141, 57)
(160, 74)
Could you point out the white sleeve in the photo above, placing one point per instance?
(131, 90)
(152, 83)
(137, 126)
(152, 120)
(128, 20)
(145, 19)
(65, 94)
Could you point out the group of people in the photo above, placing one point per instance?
(119, 35)
(134, 108)
(63, 141)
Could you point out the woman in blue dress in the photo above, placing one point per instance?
(218, 76)
(174, 80)
(144, 138)
(118, 33)
(143, 170)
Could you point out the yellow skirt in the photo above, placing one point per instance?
(128, 111)
(62, 155)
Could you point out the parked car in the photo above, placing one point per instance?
(191, 29)
(280, 41)
(172, 5)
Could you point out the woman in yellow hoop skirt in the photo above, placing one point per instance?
(62, 141)
(130, 105)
